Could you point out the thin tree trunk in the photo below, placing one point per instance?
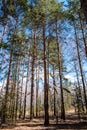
(80, 95)
(32, 80)
(4, 112)
(20, 105)
(48, 77)
(37, 87)
(17, 89)
(80, 65)
(77, 91)
(78, 102)
(83, 35)
(54, 92)
(60, 75)
(27, 79)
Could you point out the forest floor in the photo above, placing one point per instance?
(71, 122)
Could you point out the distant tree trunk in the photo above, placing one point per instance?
(83, 35)
(80, 65)
(32, 79)
(37, 87)
(17, 89)
(46, 87)
(48, 74)
(27, 79)
(78, 103)
(14, 98)
(80, 95)
(4, 111)
(60, 75)
(77, 95)
(48, 62)
(54, 92)
(21, 87)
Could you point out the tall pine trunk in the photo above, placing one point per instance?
(4, 111)
(80, 65)
(17, 89)
(80, 95)
(46, 87)
(37, 87)
(27, 79)
(83, 35)
(60, 75)
(32, 79)
(54, 92)
(21, 89)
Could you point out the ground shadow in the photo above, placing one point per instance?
(71, 122)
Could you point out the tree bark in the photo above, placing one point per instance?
(60, 75)
(32, 80)
(27, 79)
(4, 112)
(46, 87)
(17, 89)
(54, 92)
(83, 35)
(21, 87)
(37, 87)
(80, 95)
(84, 7)
(80, 65)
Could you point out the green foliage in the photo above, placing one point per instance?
(3, 45)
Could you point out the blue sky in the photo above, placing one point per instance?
(70, 76)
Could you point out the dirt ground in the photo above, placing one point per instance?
(71, 122)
